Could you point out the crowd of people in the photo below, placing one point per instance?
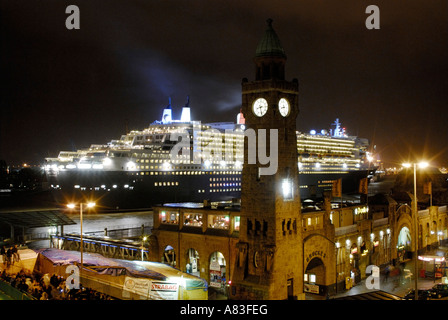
(42, 287)
(10, 255)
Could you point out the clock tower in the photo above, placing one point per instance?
(269, 261)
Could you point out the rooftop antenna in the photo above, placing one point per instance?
(337, 130)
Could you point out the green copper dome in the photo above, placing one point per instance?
(270, 45)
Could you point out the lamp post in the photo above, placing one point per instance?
(72, 206)
(144, 239)
(415, 209)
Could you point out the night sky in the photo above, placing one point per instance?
(66, 89)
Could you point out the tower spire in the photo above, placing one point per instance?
(270, 57)
(270, 45)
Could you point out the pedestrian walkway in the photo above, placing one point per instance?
(398, 285)
(394, 285)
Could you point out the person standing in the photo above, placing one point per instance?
(8, 257)
(3, 253)
(15, 254)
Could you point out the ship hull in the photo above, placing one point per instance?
(120, 190)
(313, 185)
(123, 190)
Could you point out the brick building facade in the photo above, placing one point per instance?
(330, 250)
(269, 247)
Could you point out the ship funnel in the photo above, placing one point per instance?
(185, 116)
(240, 118)
(167, 115)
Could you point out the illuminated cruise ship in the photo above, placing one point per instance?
(329, 155)
(187, 161)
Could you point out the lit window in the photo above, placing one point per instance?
(193, 219)
(218, 221)
(236, 225)
(170, 217)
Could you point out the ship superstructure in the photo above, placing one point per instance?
(185, 160)
(328, 155)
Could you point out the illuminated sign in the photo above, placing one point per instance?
(316, 253)
(431, 258)
(161, 286)
(311, 288)
(361, 210)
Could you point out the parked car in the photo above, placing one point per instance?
(422, 294)
(439, 290)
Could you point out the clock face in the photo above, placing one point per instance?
(283, 107)
(260, 107)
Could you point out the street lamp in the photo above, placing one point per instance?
(144, 239)
(72, 206)
(421, 165)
